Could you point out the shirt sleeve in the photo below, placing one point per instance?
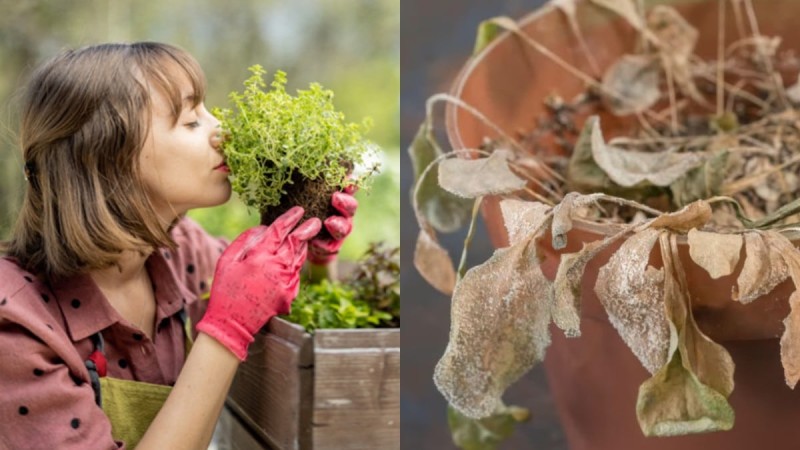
(43, 404)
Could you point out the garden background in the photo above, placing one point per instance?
(349, 46)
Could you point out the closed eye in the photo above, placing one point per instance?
(194, 124)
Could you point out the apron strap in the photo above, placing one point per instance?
(96, 364)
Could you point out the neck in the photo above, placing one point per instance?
(129, 268)
(128, 289)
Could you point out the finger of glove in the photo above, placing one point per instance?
(339, 227)
(297, 241)
(346, 204)
(323, 247)
(281, 227)
(243, 244)
(352, 189)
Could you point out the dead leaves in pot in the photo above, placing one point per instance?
(631, 292)
(631, 84)
(471, 178)
(763, 268)
(444, 211)
(717, 253)
(499, 329)
(687, 394)
(567, 284)
(629, 168)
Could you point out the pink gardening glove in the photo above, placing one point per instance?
(257, 277)
(323, 251)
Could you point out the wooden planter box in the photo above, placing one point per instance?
(336, 389)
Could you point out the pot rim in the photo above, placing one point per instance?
(454, 136)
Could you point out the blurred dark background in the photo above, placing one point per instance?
(436, 40)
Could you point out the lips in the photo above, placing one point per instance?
(222, 167)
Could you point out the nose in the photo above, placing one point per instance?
(217, 137)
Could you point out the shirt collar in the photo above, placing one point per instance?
(87, 311)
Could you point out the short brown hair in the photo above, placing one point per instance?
(85, 118)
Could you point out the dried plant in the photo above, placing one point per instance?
(713, 158)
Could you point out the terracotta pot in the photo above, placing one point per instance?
(595, 378)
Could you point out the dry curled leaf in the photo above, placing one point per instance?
(441, 209)
(630, 85)
(632, 293)
(717, 253)
(688, 394)
(629, 168)
(522, 218)
(562, 215)
(762, 271)
(473, 178)
(790, 341)
(674, 402)
(567, 284)
(499, 329)
(707, 360)
(434, 263)
(693, 215)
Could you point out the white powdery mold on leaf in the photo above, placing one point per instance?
(499, 330)
(629, 167)
(473, 178)
(521, 218)
(632, 293)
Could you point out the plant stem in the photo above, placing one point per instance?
(462, 265)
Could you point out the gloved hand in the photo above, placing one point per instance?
(323, 251)
(257, 277)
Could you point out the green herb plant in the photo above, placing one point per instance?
(370, 298)
(275, 141)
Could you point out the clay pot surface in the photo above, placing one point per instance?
(595, 378)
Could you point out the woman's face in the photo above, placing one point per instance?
(181, 164)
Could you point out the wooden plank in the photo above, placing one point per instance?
(231, 434)
(273, 388)
(362, 338)
(356, 398)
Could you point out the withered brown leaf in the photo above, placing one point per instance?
(762, 270)
(709, 361)
(693, 215)
(499, 329)
(563, 212)
(630, 85)
(790, 341)
(567, 284)
(717, 253)
(629, 167)
(632, 293)
(473, 178)
(688, 394)
(433, 262)
(522, 218)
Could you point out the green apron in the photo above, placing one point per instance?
(131, 405)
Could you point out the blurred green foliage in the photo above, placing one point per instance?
(350, 46)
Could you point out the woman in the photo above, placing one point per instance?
(103, 274)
